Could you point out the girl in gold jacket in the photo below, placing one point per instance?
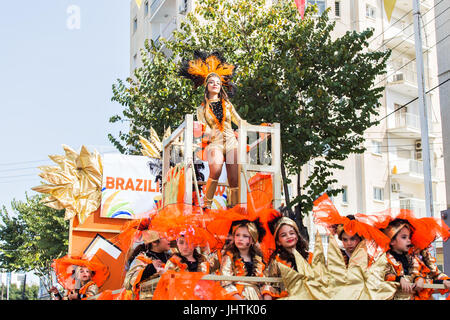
(187, 258)
(243, 258)
(289, 243)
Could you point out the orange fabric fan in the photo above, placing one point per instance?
(425, 230)
(180, 218)
(188, 286)
(65, 270)
(326, 214)
(220, 221)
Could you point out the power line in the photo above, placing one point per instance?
(24, 162)
(394, 72)
(401, 31)
(412, 100)
(18, 176)
(17, 169)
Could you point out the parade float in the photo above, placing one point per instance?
(117, 202)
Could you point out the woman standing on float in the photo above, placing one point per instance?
(216, 113)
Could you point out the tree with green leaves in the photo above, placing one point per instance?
(31, 237)
(17, 292)
(289, 70)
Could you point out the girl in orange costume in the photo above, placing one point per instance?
(402, 267)
(243, 258)
(216, 114)
(90, 274)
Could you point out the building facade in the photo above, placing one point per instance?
(389, 174)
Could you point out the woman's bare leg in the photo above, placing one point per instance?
(215, 163)
(233, 177)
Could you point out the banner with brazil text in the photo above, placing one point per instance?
(131, 186)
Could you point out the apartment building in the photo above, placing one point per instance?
(390, 173)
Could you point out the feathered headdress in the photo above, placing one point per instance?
(203, 64)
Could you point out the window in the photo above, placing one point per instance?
(321, 6)
(376, 147)
(135, 25)
(146, 8)
(134, 61)
(378, 193)
(345, 194)
(370, 11)
(337, 8)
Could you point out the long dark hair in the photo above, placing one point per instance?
(143, 247)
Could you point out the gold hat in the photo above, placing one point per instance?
(285, 220)
(392, 230)
(149, 236)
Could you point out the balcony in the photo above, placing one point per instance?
(399, 36)
(162, 10)
(402, 80)
(417, 206)
(406, 5)
(407, 125)
(164, 30)
(410, 170)
(402, 77)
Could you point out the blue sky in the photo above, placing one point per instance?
(55, 83)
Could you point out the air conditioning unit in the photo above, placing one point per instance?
(183, 7)
(397, 77)
(418, 145)
(419, 155)
(395, 187)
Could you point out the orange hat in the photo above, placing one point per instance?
(326, 214)
(66, 266)
(425, 230)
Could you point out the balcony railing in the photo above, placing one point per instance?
(407, 120)
(410, 169)
(418, 206)
(154, 6)
(165, 31)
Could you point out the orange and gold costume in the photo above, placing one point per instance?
(134, 275)
(273, 270)
(220, 131)
(429, 271)
(90, 289)
(236, 267)
(176, 264)
(394, 270)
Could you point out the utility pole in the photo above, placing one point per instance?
(8, 284)
(442, 15)
(423, 110)
(24, 286)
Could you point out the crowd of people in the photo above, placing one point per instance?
(405, 239)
